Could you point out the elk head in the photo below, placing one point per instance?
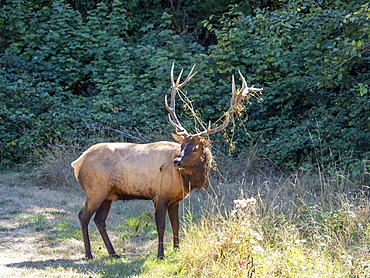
(193, 145)
(191, 151)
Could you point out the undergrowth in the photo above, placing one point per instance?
(249, 222)
(299, 225)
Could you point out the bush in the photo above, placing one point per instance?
(313, 62)
(65, 73)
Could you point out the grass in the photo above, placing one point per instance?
(242, 245)
(282, 225)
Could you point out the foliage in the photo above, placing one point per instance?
(72, 72)
(313, 61)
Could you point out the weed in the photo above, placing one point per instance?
(142, 226)
(35, 221)
(54, 169)
(65, 230)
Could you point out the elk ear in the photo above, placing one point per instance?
(178, 138)
(206, 143)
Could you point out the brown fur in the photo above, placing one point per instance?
(164, 172)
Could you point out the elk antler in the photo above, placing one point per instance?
(236, 103)
(171, 109)
(237, 97)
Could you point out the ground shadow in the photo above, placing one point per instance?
(104, 267)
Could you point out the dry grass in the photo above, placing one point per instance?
(54, 167)
(298, 225)
(40, 235)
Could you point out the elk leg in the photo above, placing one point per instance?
(100, 220)
(173, 213)
(160, 215)
(90, 207)
(84, 216)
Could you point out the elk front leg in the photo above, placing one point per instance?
(160, 215)
(100, 220)
(173, 213)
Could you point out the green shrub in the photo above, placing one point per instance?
(73, 75)
(313, 62)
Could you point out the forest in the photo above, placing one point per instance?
(76, 72)
(288, 191)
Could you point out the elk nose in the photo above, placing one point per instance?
(177, 163)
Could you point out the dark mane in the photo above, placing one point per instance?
(195, 177)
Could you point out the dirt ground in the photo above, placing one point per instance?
(28, 215)
(40, 234)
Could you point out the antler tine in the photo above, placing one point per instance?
(235, 95)
(175, 123)
(236, 99)
(233, 91)
(232, 84)
(171, 109)
(244, 83)
(172, 80)
(245, 89)
(178, 79)
(190, 75)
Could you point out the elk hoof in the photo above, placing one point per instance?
(160, 258)
(114, 256)
(89, 256)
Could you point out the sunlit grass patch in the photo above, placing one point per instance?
(325, 240)
(65, 230)
(37, 222)
(56, 212)
(292, 228)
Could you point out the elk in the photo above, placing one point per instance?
(164, 172)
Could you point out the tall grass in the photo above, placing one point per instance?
(253, 223)
(274, 225)
(54, 167)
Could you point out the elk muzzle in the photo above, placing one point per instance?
(178, 162)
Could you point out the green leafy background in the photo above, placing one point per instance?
(69, 70)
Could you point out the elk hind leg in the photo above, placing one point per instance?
(100, 220)
(84, 216)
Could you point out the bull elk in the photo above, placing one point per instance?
(164, 172)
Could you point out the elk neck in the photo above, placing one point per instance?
(194, 177)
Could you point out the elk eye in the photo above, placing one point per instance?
(195, 149)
